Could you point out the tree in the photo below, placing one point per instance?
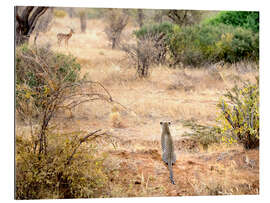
(25, 22)
(117, 20)
(184, 17)
(44, 24)
(147, 51)
(70, 12)
(47, 82)
(158, 15)
(140, 17)
(83, 20)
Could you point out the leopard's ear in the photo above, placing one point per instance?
(161, 123)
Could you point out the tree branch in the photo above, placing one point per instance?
(35, 16)
(81, 141)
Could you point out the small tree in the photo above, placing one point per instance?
(47, 82)
(140, 17)
(159, 35)
(70, 12)
(158, 15)
(184, 17)
(44, 24)
(26, 21)
(116, 20)
(144, 53)
(83, 20)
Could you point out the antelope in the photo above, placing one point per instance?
(66, 37)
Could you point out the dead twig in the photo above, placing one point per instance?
(81, 141)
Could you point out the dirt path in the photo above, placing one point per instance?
(215, 173)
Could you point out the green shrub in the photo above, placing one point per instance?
(244, 19)
(59, 13)
(238, 45)
(240, 115)
(154, 30)
(95, 13)
(39, 73)
(46, 82)
(209, 42)
(201, 44)
(51, 176)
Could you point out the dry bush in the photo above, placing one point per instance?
(72, 168)
(183, 81)
(159, 34)
(205, 135)
(185, 17)
(50, 165)
(146, 52)
(115, 117)
(116, 20)
(245, 66)
(46, 82)
(239, 116)
(59, 13)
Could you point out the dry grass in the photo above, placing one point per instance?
(168, 94)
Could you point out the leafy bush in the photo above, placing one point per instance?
(200, 44)
(66, 171)
(95, 13)
(158, 35)
(46, 82)
(59, 13)
(240, 115)
(143, 54)
(38, 74)
(154, 29)
(50, 165)
(244, 19)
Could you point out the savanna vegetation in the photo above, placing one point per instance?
(87, 115)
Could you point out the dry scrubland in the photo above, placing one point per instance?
(168, 94)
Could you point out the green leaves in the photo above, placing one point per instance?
(222, 38)
(199, 44)
(39, 75)
(245, 19)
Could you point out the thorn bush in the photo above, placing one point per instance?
(239, 115)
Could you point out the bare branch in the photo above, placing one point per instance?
(35, 16)
(81, 141)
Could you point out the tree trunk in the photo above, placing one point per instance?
(113, 43)
(140, 17)
(26, 22)
(70, 12)
(83, 21)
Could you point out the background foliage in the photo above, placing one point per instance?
(244, 19)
